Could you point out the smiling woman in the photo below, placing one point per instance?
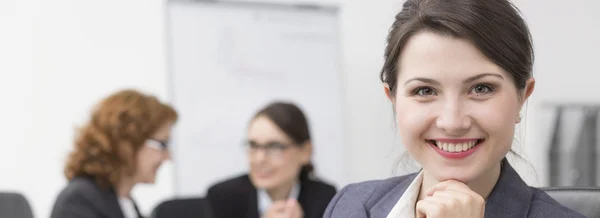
(123, 144)
(280, 183)
(457, 74)
(450, 103)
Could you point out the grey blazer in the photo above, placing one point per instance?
(511, 197)
(84, 198)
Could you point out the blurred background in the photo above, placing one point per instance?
(58, 58)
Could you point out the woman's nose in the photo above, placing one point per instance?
(453, 118)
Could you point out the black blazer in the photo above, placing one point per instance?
(84, 198)
(237, 198)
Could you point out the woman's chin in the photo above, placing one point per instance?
(262, 182)
(460, 174)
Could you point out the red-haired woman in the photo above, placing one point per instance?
(123, 144)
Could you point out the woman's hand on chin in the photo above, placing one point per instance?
(285, 209)
(451, 199)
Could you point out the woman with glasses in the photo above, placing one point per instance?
(123, 144)
(280, 183)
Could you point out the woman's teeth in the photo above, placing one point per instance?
(456, 147)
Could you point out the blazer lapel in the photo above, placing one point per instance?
(113, 209)
(307, 198)
(383, 207)
(252, 211)
(137, 210)
(303, 198)
(511, 197)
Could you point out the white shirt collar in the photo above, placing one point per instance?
(264, 200)
(127, 208)
(405, 207)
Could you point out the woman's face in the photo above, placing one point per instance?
(151, 156)
(456, 110)
(274, 159)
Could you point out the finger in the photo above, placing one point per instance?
(450, 198)
(448, 184)
(460, 190)
(273, 215)
(293, 208)
(461, 197)
(278, 206)
(429, 208)
(291, 202)
(293, 213)
(449, 193)
(444, 202)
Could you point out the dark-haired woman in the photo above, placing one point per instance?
(457, 74)
(280, 183)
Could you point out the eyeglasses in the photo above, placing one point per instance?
(271, 149)
(157, 144)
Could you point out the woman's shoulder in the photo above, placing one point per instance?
(356, 199)
(374, 188)
(81, 195)
(236, 185)
(316, 190)
(317, 184)
(542, 205)
(83, 187)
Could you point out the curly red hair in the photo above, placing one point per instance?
(106, 147)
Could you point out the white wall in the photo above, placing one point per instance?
(16, 54)
(566, 67)
(64, 55)
(373, 145)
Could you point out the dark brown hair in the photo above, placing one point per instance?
(493, 26)
(106, 147)
(292, 121)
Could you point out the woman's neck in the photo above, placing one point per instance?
(281, 192)
(124, 187)
(482, 185)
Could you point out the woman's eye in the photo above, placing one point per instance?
(481, 89)
(424, 91)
